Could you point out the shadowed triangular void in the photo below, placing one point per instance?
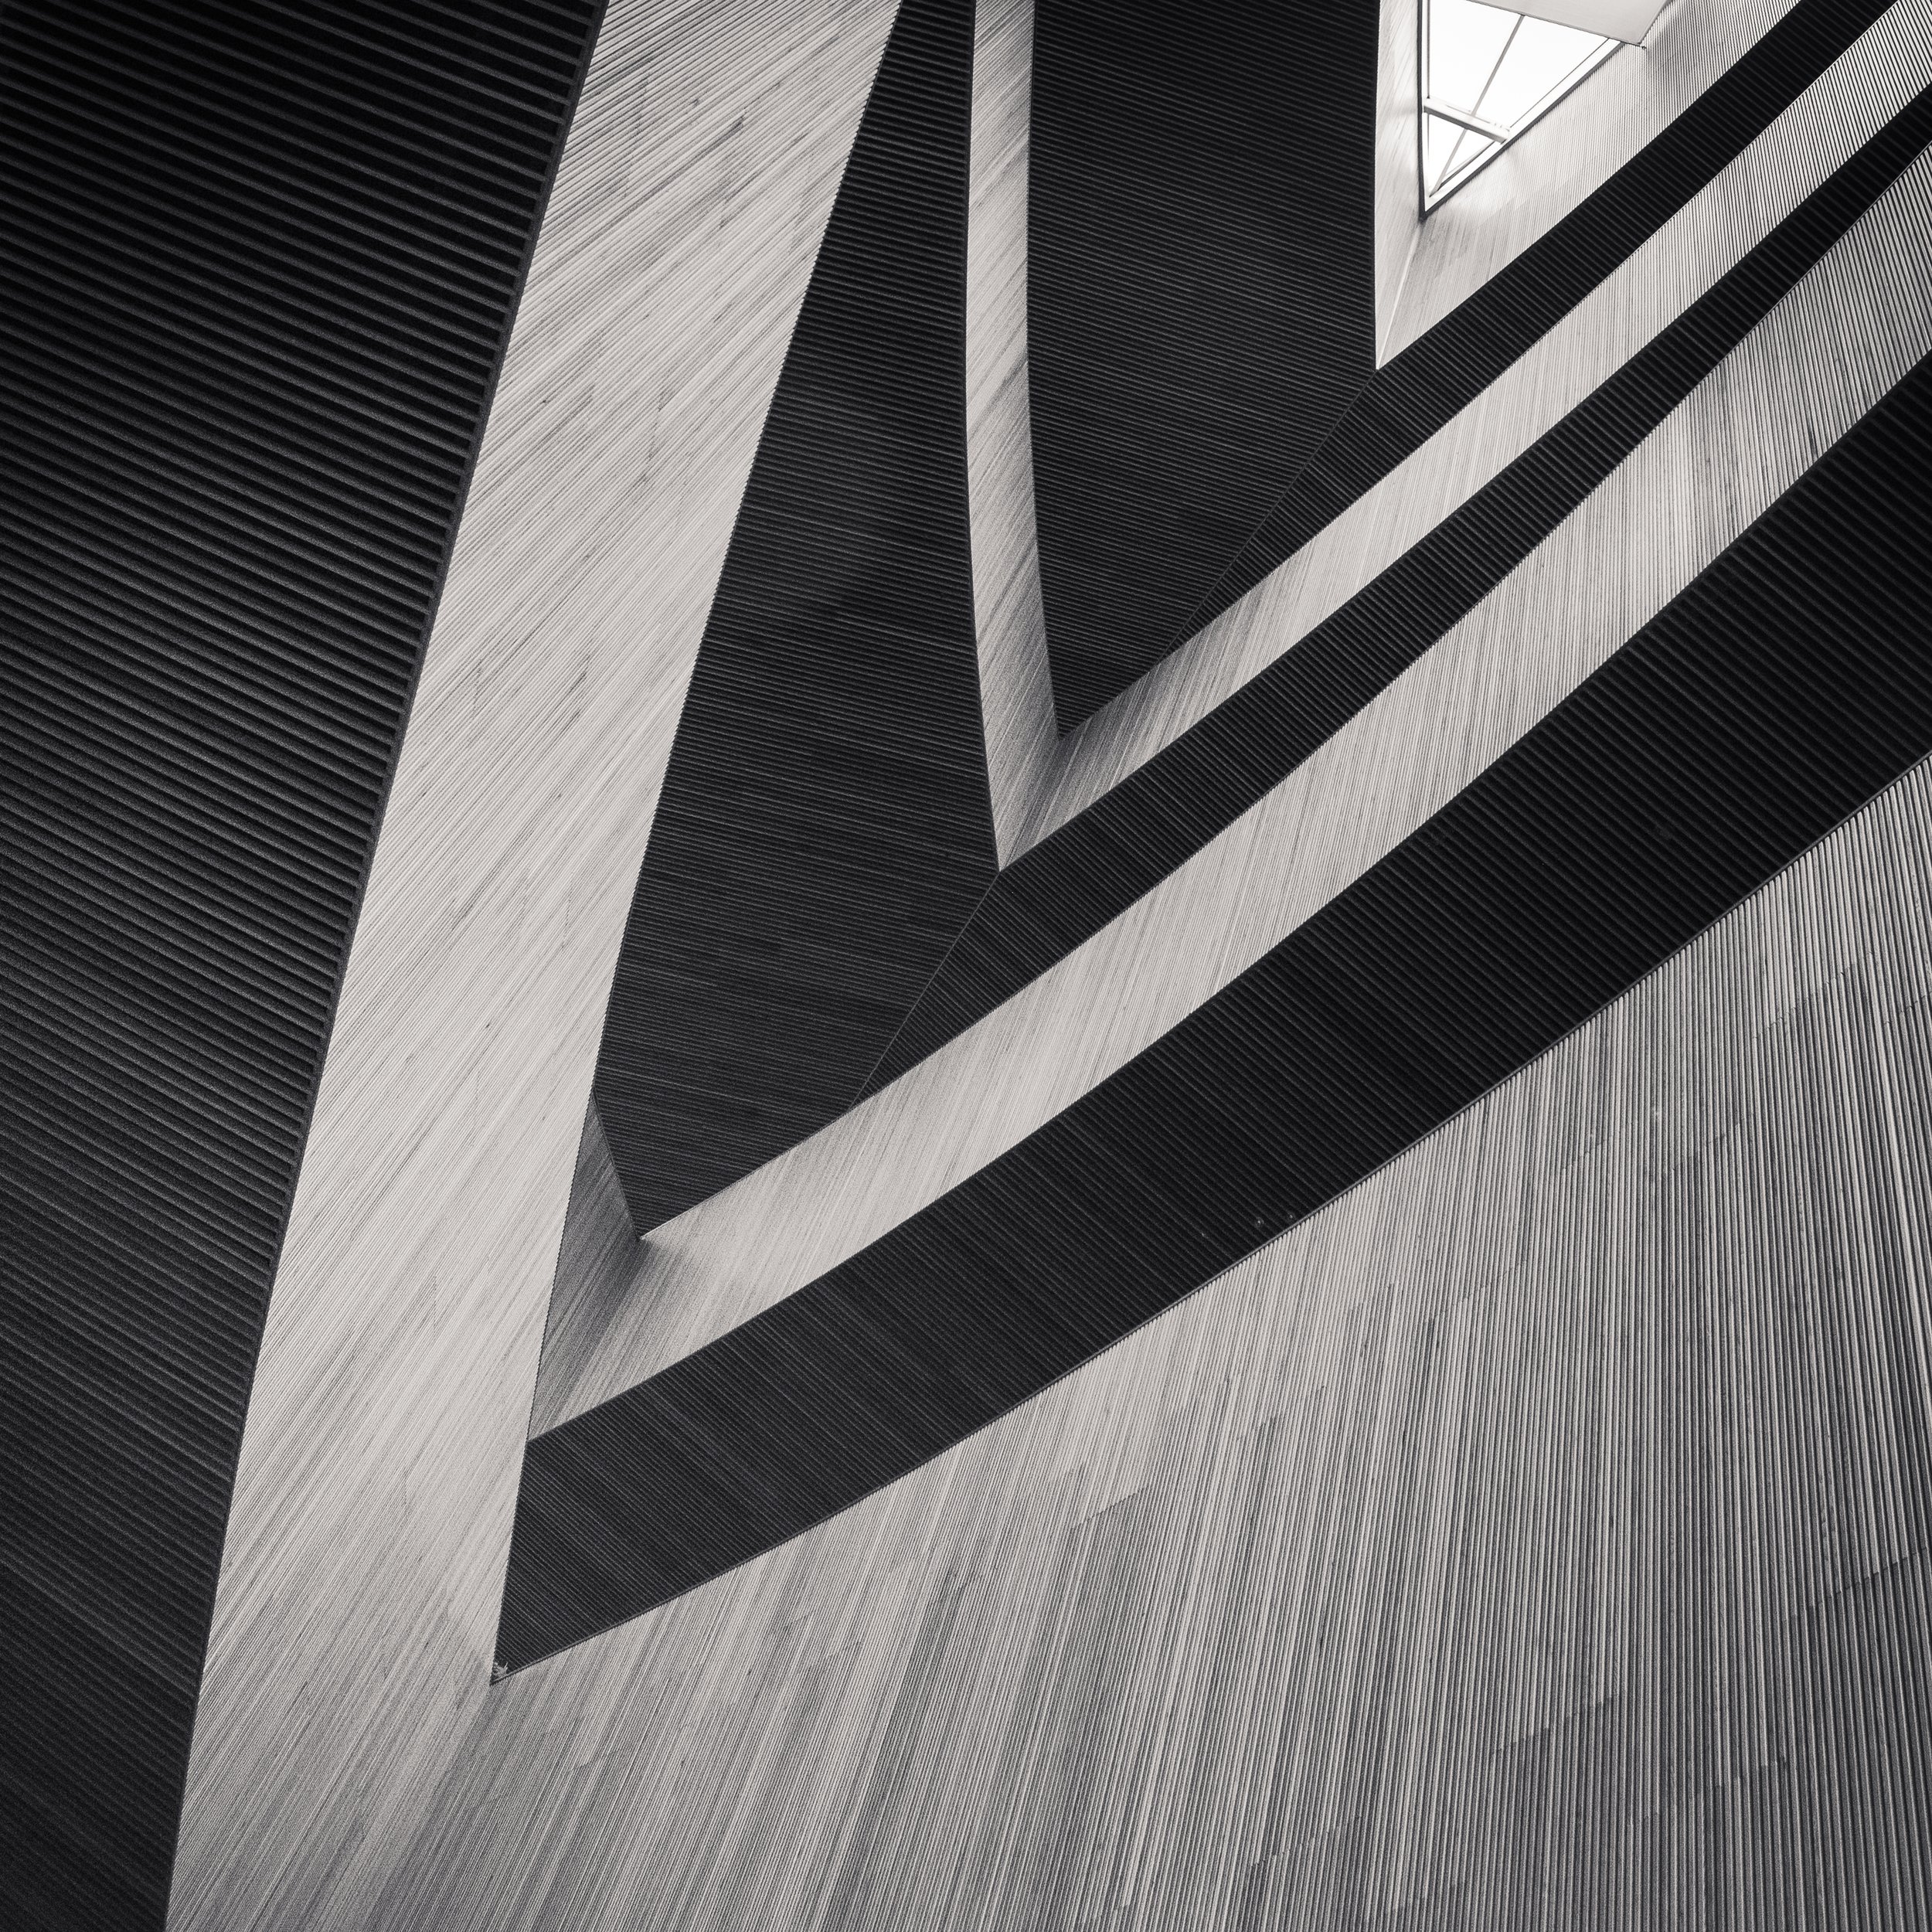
(824, 827)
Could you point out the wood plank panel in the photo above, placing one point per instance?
(260, 267)
(824, 828)
(1783, 688)
(1577, 146)
(1718, 226)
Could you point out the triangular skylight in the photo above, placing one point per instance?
(1487, 73)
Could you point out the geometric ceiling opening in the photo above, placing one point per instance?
(1488, 75)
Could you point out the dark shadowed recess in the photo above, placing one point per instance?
(1201, 298)
(1777, 694)
(824, 826)
(260, 264)
(1067, 887)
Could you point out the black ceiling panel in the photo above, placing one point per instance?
(1201, 298)
(824, 827)
(259, 263)
(1779, 691)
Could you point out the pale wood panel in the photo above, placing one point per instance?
(1741, 438)
(1398, 203)
(1533, 1537)
(1358, 1570)
(1016, 687)
(352, 1636)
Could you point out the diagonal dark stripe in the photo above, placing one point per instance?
(824, 828)
(1779, 691)
(1064, 890)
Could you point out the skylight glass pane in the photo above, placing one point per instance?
(1487, 73)
(1465, 42)
(1541, 58)
(1448, 151)
(1439, 141)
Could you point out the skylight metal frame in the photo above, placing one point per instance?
(1502, 136)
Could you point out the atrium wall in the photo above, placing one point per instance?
(1361, 1355)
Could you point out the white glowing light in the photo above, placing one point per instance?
(1487, 73)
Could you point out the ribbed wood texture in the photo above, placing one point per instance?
(363, 1563)
(1757, 423)
(1533, 1535)
(597, 1263)
(1535, 1538)
(1015, 677)
(1735, 210)
(1201, 298)
(1412, 396)
(260, 269)
(711, 1055)
(1436, 262)
(824, 826)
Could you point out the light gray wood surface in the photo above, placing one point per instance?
(1529, 1538)
(1741, 438)
(1484, 1550)
(354, 1630)
(1398, 185)
(1016, 685)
